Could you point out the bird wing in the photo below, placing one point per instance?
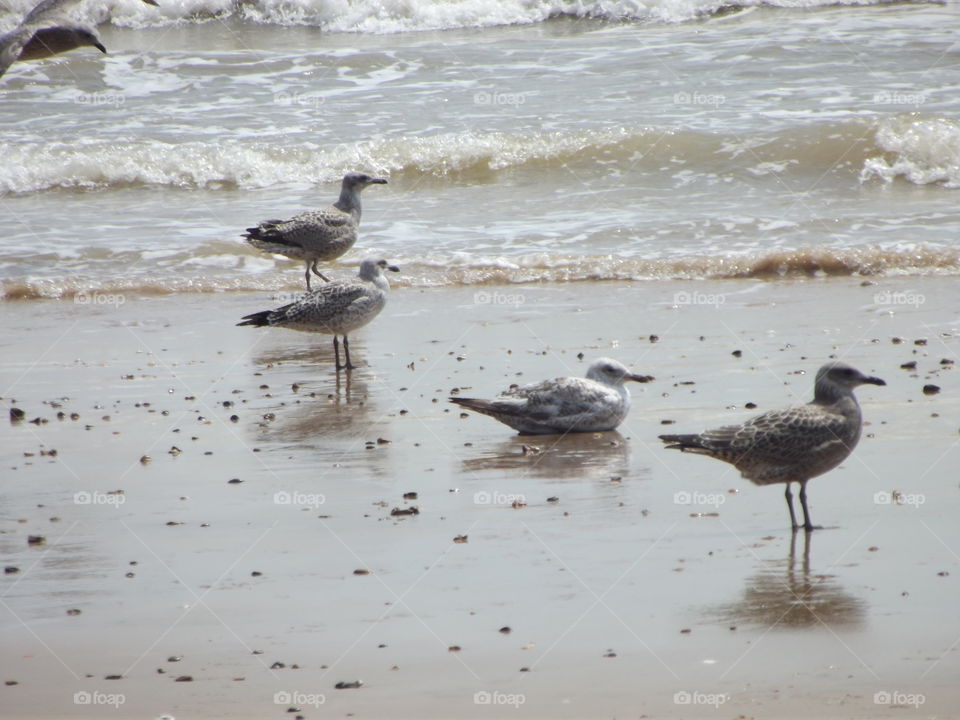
(307, 230)
(321, 304)
(552, 399)
(779, 438)
(49, 12)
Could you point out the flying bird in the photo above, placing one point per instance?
(317, 235)
(596, 403)
(47, 30)
(794, 444)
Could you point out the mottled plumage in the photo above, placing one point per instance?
(46, 31)
(337, 308)
(317, 235)
(794, 444)
(596, 403)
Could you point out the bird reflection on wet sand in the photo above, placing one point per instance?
(575, 456)
(319, 410)
(785, 596)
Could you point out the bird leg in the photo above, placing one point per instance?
(317, 272)
(807, 525)
(336, 352)
(307, 275)
(789, 496)
(346, 353)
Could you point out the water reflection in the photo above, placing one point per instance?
(343, 409)
(578, 456)
(317, 356)
(787, 594)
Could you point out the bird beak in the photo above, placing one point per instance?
(152, 2)
(100, 47)
(640, 378)
(393, 268)
(378, 181)
(873, 381)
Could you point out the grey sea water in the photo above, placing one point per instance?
(523, 141)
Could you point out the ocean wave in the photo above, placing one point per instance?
(443, 270)
(921, 149)
(33, 166)
(123, 162)
(391, 16)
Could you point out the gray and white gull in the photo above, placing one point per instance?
(596, 403)
(336, 308)
(794, 444)
(317, 235)
(48, 30)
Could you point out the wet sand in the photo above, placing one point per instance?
(635, 581)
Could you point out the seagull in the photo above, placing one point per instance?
(596, 403)
(794, 444)
(336, 308)
(47, 31)
(317, 234)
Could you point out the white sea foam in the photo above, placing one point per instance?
(32, 166)
(390, 16)
(921, 149)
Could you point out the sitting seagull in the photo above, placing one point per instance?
(794, 444)
(336, 308)
(595, 404)
(47, 31)
(317, 234)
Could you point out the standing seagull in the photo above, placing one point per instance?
(596, 403)
(336, 308)
(47, 31)
(317, 234)
(794, 444)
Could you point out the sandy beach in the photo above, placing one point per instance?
(222, 510)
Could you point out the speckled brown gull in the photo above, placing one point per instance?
(336, 308)
(317, 235)
(596, 403)
(45, 31)
(794, 444)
